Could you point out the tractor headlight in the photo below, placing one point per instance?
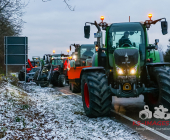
(133, 71)
(74, 56)
(120, 71)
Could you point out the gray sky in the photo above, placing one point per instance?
(52, 26)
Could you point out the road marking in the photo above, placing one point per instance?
(148, 128)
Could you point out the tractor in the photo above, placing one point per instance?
(29, 66)
(81, 58)
(54, 71)
(36, 62)
(127, 66)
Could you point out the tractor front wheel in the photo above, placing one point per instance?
(55, 79)
(75, 88)
(61, 80)
(95, 94)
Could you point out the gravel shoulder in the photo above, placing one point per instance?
(43, 113)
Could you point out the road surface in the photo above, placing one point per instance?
(126, 111)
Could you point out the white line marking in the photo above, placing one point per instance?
(148, 128)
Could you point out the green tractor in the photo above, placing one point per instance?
(127, 66)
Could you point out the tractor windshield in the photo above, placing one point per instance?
(126, 34)
(87, 51)
(57, 62)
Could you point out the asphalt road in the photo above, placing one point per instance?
(126, 111)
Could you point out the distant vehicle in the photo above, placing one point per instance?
(30, 75)
(54, 71)
(29, 67)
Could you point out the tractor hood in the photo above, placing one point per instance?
(126, 56)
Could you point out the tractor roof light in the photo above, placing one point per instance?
(150, 16)
(102, 18)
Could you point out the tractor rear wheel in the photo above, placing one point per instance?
(61, 80)
(161, 76)
(95, 94)
(75, 88)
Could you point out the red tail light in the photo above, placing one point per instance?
(56, 69)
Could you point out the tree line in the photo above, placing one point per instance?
(11, 23)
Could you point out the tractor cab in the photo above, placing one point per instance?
(83, 54)
(126, 38)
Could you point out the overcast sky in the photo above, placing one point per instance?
(52, 26)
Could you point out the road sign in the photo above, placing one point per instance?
(15, 51)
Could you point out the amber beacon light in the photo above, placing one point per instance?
(102, 18)
(150, 16)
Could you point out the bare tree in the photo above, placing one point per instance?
(66, 2)
(11, 23)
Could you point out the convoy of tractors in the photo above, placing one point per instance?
(126, 65)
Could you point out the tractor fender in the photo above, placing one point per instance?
(91, 69)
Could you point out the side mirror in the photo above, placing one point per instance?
(164, 26)
(70, 47)
(156, 41)
(87, 31)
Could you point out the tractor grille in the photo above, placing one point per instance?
(119, 56)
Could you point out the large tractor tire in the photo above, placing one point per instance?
(161, 76)
(75, 88)
(54, 80)
(21, 76)
(95, 94)
(61, 80)
(35, 77)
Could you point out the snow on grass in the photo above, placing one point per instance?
(44, 113)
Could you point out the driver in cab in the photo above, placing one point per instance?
(125, 40)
